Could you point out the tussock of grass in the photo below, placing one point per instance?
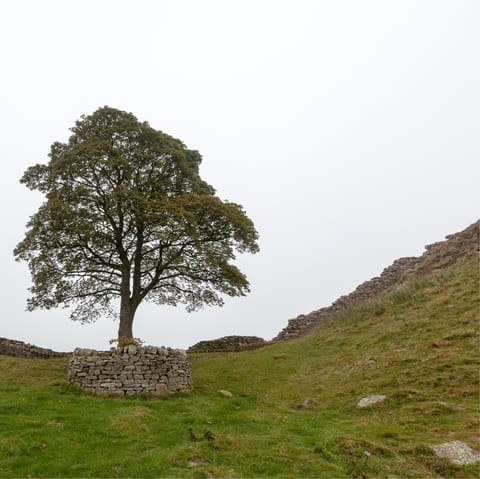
(293, 411)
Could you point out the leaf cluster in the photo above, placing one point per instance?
(127, 213)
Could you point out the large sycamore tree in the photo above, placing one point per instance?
(128, 218)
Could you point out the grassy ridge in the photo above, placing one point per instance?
(293, 412)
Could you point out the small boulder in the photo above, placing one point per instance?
(457, 452)
(372, 399)
(225, 393)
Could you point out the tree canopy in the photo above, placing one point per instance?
(127, 216)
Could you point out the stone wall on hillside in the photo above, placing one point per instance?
(443, 254)
(227, 344)
(390, 276)
(436, 257)
(19, 349)
(131, 370)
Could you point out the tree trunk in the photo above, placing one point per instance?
(127, 313)
(127, 308)
(125, 330)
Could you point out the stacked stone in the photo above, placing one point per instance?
(227, 344)
(19, 349)
(301, 324)
(391, 276)
(442, 254)
(436, 257)
(131, 370)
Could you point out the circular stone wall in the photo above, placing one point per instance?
(131, 370)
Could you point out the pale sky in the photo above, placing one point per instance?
(348, 130)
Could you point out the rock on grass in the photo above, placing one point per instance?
(372, 399)
(225, 393)
(457, 452)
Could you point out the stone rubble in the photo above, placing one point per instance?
(131, 370)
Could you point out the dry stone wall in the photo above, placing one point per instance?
(390, 276)
(227, 344)
(443, 254)
(131, 370)
(436, 257)
(19, 349)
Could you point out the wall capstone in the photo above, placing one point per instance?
(131, 370)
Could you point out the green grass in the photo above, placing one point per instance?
(293, 413)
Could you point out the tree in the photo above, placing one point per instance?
(128, 217)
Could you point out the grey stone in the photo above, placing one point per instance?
(372, 399)
(225, 393)
(457, 452)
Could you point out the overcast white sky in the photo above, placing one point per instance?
(349, 131)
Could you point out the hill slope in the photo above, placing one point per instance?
(437, 256)
(293, 411)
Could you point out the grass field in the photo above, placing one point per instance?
(292, 414)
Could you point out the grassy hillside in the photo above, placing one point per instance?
(292, 414)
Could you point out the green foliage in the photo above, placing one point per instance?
(127, 216)
(381, 347)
